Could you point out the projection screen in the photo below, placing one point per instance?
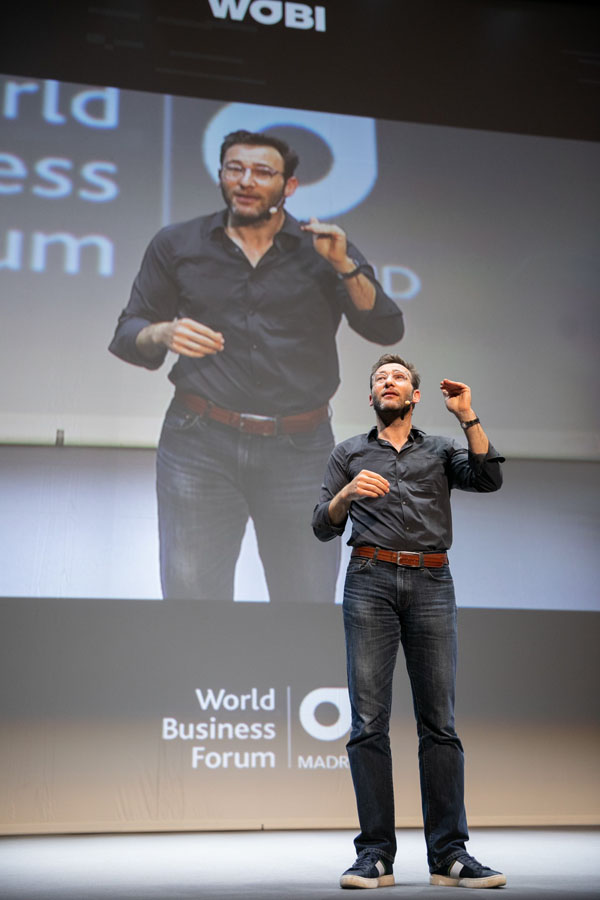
(488, 242)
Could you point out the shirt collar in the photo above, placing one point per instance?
(415, 434)
(217, 222)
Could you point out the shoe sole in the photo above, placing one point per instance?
(490, 882)
(357, 881)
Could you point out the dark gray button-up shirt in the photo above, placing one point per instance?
(415, 514)
(279, 319)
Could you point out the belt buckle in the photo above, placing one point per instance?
(414, 558)
(246, 420)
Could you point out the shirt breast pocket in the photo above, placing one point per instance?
(425, 474)
(204, 293)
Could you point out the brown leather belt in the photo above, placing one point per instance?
(403, 557)
(267, 426)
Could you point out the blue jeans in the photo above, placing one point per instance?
(210, 479)
(384, 605)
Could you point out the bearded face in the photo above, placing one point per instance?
(392, 393)
(252, 182)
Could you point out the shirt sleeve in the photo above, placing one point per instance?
(384, 323)
(154, 298)
(476, 472)
(335, 478)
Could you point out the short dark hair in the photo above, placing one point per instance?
(261, 139)
(415, 378)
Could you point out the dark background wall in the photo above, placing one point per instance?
(529, 66)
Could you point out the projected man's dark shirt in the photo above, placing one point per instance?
(278, 320)
(415, 514)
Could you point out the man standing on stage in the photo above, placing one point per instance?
(395, 483)
(251, 301)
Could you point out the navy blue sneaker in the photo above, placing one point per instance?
(467, 872)
(371, 870)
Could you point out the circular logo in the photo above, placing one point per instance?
(338, 697)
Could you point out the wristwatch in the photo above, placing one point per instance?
(355, 271)
(465, 425)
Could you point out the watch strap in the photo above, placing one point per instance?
(355, 271)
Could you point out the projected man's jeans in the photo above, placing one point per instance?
(210, 479)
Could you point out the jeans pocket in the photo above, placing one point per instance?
(438, 573)
(359, 564)
(321, 439)
(178, 418)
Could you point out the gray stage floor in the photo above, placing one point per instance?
(539, 863)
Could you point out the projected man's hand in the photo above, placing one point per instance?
(190, 338)
(329, 241)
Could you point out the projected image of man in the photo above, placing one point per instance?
(251, 300)
(395, 484)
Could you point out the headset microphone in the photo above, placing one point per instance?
(277, 207)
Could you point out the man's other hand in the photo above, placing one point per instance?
(187, 337)
(365, 484)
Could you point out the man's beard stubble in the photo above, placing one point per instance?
(241, 219)
(388, 416)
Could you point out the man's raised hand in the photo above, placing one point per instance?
(328, 240)
(457, 396)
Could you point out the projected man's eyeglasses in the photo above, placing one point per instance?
(233, 171)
